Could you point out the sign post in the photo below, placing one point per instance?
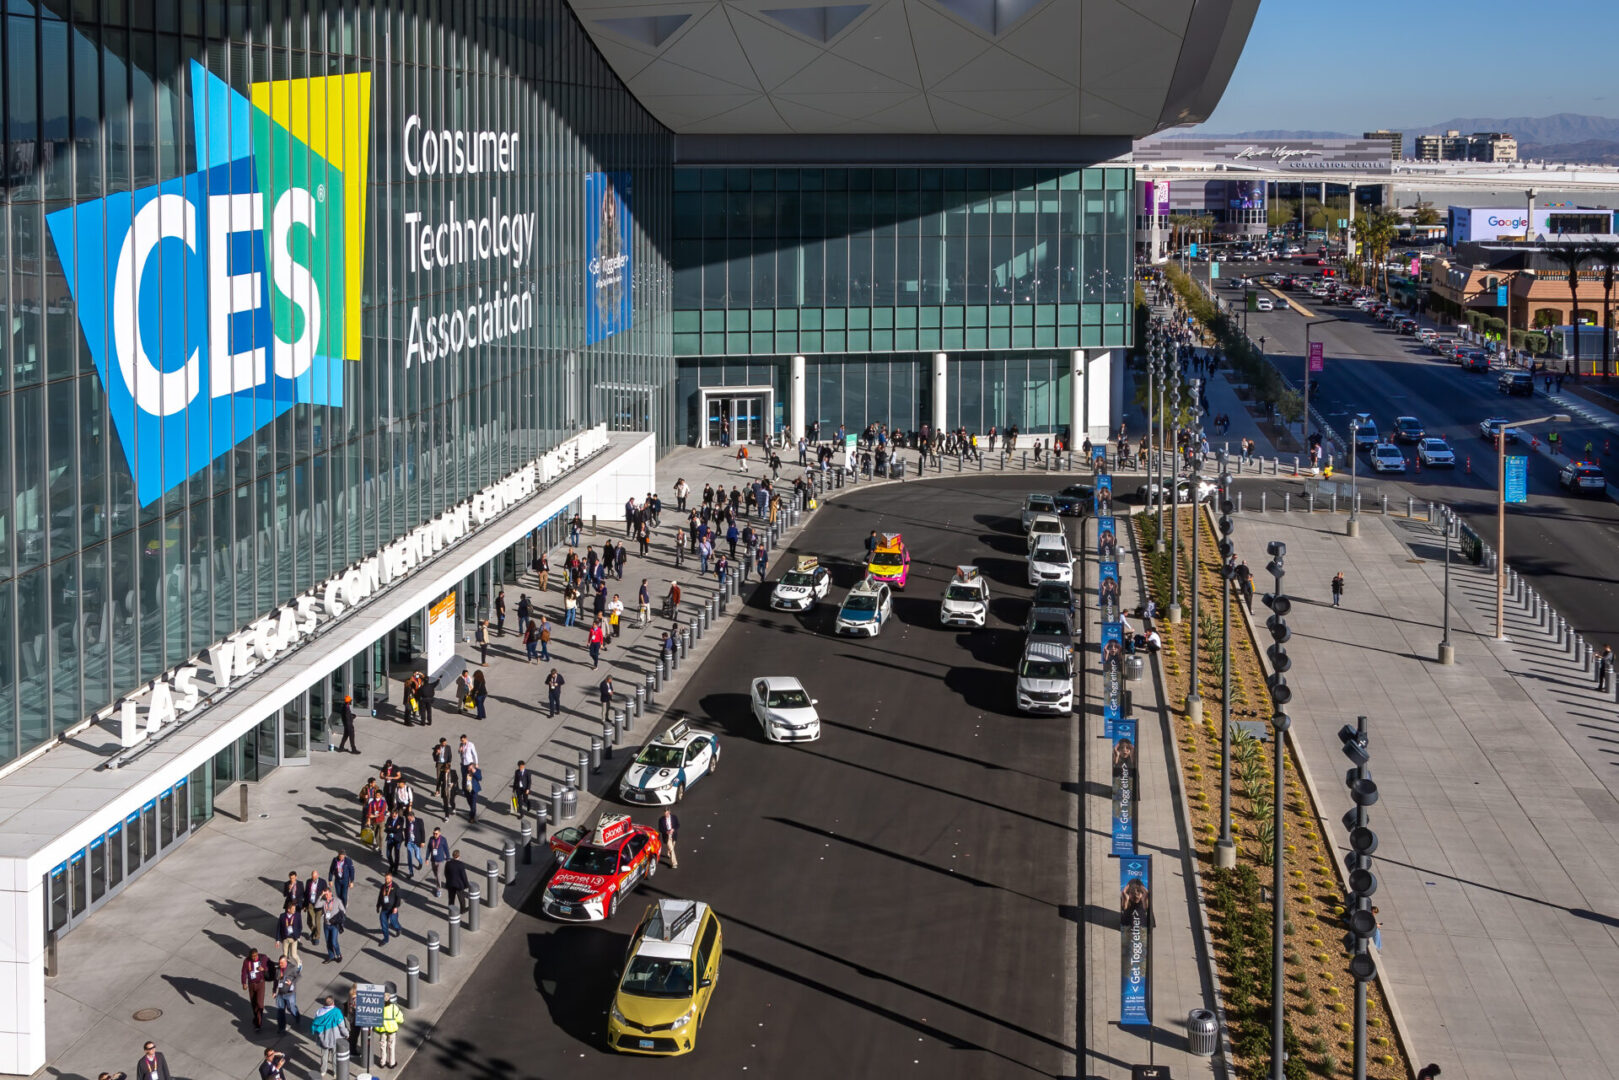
(1517, 477)
(368, 1002)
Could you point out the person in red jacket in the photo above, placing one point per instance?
(255, 970)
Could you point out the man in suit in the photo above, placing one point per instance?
(388, 907)
(438, 854)
(313, 887)
(342, 874)
(288, 929)
(255, 969)
(522, 784)
(668, 830)
(455, 879)
(415, 837)
(152, 1065)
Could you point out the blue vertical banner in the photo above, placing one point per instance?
(1112, 675)
(1135, 925)
(1126, 790)
(1107, 592)
(1107, 539)
(1102, 499)
(608, 303)
(1517, 478)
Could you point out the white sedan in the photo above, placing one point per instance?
(785, 711)
(1436, 453)
(1386, 457)
(799, 589)
(669, 764)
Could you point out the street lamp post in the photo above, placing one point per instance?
(1194, 700)
(1307, 326)
(1157, 487)
(1225, 850)
(1447, 652)
(1280, 694)
(1353, 528)
(1501, 515)
(1173, 495)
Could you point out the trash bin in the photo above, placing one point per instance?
(896, 469)
(1202, 1032)
(1134, 668)
(570, 804)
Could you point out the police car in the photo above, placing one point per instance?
(802, 586)
(1583, 477)
(966, 599)
(669, 764)
(865, 610)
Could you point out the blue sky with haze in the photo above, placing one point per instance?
(1318, 65)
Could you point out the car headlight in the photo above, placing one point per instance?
(619, 1017)
(687, 1017)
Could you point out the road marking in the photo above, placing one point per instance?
(1306, 312)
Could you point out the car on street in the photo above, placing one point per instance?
(1053, 624)
(890, 561)
(865, 610)
(1034, 505)
(784, 709)
(669, 764)
(1583, 478)
(599, 868)
(1408, 429)
(1489, 429)
(1264, 303)
(799, 588)
(1386, 457)
(1365, 432)
(1475, 361)
(1148, 493)
(1051, 560)
(1075, 500)
(1045, 525)
(1045, 678)
(966, 599)
(1054, 594)
(1516, 384)
(670, 970)
(1436, 453)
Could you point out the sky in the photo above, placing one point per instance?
(1353, 67)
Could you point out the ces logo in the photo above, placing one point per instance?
(214, 302)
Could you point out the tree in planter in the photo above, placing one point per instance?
(1571, 257)
(1608, 254)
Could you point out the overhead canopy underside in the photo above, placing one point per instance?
(922, 67)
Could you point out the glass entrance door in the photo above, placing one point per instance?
(747, 419)
(719, 421)
(295, 731)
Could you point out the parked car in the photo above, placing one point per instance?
(1516, 383)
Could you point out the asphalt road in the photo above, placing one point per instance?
(897, 897)
(1566, 544)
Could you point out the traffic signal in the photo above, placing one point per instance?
(1280, 632)
(1362, 844)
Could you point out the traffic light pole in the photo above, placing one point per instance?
(1280, 694)
(1362, 882)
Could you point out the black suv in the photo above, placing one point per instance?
(1516, 382)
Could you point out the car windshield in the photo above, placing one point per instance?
(863, 602)
(787, 699)
(596, 861)
(1049, 554)
(1057, 597)
(1046, 527)
(963, 592)
(1048, 628)
(794, 577)
(1387, 452)
(1434, 444)
(1044, 669)
(1041, 504)
(661, 757)
(886, 558)
(658, 976)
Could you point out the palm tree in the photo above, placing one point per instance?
(1571, 257)
(1608, 252)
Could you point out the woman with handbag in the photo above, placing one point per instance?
(480, 691)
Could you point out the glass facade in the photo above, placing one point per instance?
(893, 260)
(468, 248)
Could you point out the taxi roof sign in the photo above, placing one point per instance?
(611, 828)
(806, 563)
(967, 574)
(888, 540)
(677, 731)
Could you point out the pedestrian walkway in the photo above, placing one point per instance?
(1498, 816)
(1181, 979)
(162, 960)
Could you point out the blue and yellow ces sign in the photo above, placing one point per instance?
(214, 302)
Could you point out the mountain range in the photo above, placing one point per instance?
(1570, 137)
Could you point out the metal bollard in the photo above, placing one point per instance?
(619, 728)
(1310, 504)
(1430, 513)
(452, 935)
(1334, 500)
(342, 1059)
(627, 722)
(1239, 501)
(508, 857)
(1025, 459)
(474, 896)
(1263, 499)
(723, 598)
(1385, 505)
(525, 833)
(660, 672)
(1585, 652)
(1410, 507)
(1287, 501)
(570, 777)
(556, 803)
(590, 760)
(431, 975)
(608, 731)
(491, 874)
(685, 641)
(646, 691)
(413, 977)
(699, 623)
(640, 700)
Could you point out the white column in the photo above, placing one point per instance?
(1076, 397)
(1529, 222)
(1099, 394)
(941, 412)
(797, 422)
(22, 969)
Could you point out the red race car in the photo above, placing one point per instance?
(596, 872)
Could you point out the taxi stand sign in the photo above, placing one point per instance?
(1517, 479)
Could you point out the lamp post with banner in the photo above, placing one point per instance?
(1521, 494)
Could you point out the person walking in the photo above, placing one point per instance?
(554, 683)
(455, 880)
(289, 928)
(598, 635)
(341, 874)
(1337, 588)
(333, 918)
(443, 755)
(467, 752)
(415, 837)
(668, 829)
(345, 715)
(438, 853)
(314, 889)
(742, 457)
(545, 639)
(388, 1033)
(388, 908)
(570, 606)
(606, 691)
(328, 1026)
(682, 493)
(255, 970)
(482, 641)
(615, 615)
(474, 789)
(531, 640)
(522, 784)
(1604, 664)
(286, 994)
(375, 817)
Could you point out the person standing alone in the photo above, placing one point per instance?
(1604, 664)
(1338, 589)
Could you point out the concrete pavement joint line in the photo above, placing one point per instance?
(1401, 1029)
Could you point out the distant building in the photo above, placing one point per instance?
(1479, 146)
(1395, 139)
